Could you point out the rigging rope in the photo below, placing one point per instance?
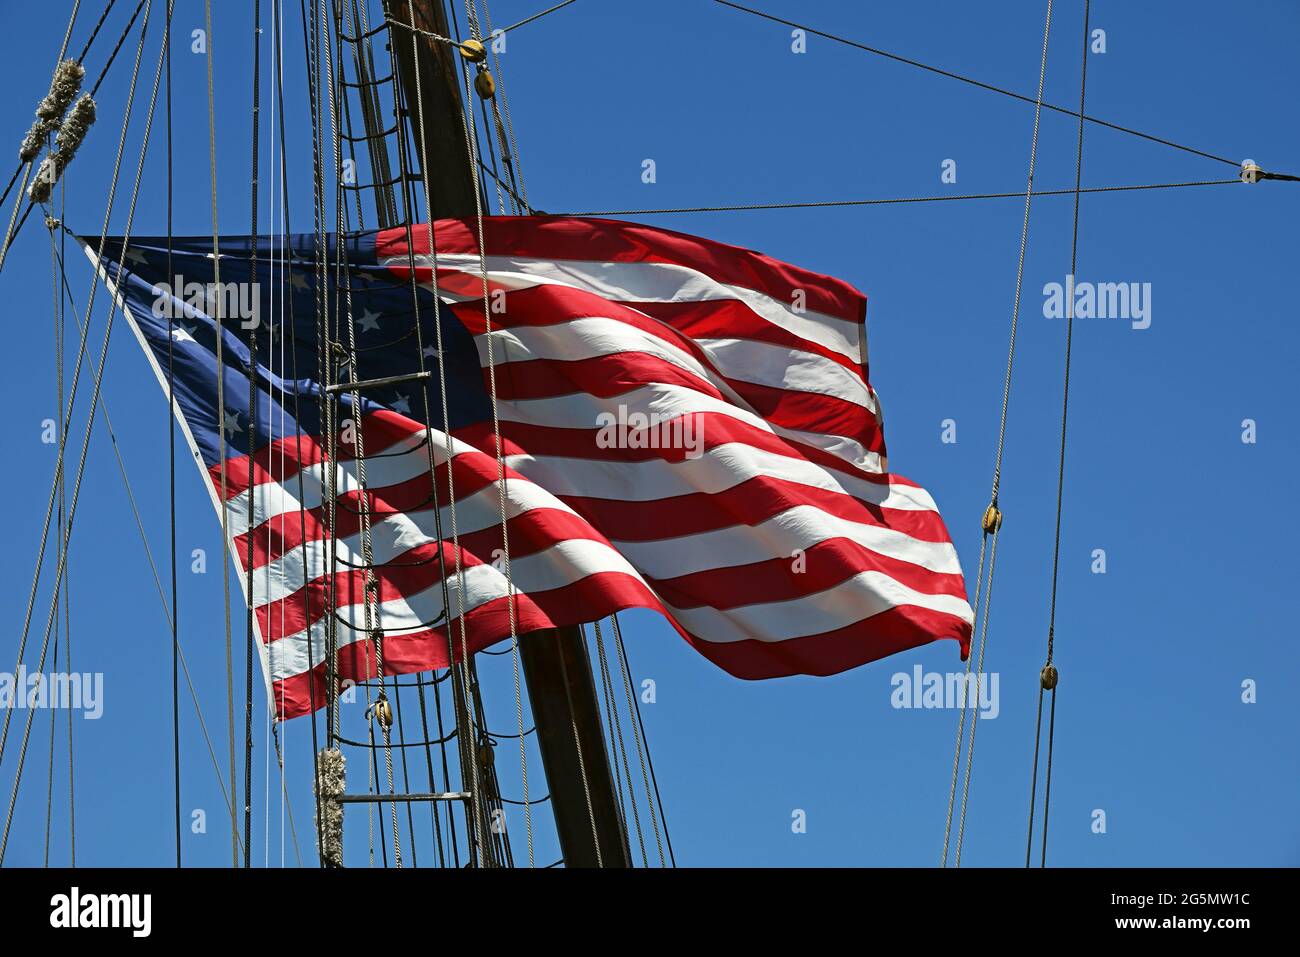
(1048, 676)
(171, 474)
(221, 434)
(895, 201)
(252, 442)
(58, 322)
(25, 162)
(1038, 102)
(471, 135)
(992, 523)
(616, 725)
(491, 33)
(66, 303)
(458, 670)
(168, 613)
(12, 231)
(98, 375)
(517, 179)
(643, 751)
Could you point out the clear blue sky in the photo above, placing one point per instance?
(1196, 525)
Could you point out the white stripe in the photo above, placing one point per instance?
(590, 337)
(716, 470)
(780, 367)
(862, 596)
(562, 564)
(745, 360)
(400, 462)
(395, 535)
(653, 282)
(795, 529)
(665, 402)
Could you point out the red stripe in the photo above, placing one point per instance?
(613, 374)
(280, 534)
(829, 653)
(748, 503)
(597, 596)
(827, 564)
(716, 428)
(824, 565)
(826, 654)
(550, 305)
(604, 377)
(419, 568)
(284, 458)
(604, 240)
(730, 319)
(813, 412)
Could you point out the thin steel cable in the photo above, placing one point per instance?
(472, 155)
(577, 747)
(289, 313)
(434, 36)
(252, 443)
(120, 40)
(108, 7)
(1047, 785)
(475, 818)
(616, 725)
(527, 20)
(517, 176)
(1002, 427)
(57, 316)
(10, 232)
(513, 164)
(892, 201)
(961, 716)
(462, 702)
(66, 303)
(607, 695)
(168, 613)
(219, 327)
(1039, 104)
(72, 395)
(1060, 473)
(643, 746)
(371, 592)
(61, 565)
(1033, 776)
(171, 465)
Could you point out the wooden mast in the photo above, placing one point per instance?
(556, 666)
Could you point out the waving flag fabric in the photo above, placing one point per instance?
(686, 426)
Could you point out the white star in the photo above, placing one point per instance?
(137, 257)
(431, 352)
(401, 404)
(369, 321)
(183, 334)
(297, 280)
(232, 424)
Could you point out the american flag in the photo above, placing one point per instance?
(684, 425)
